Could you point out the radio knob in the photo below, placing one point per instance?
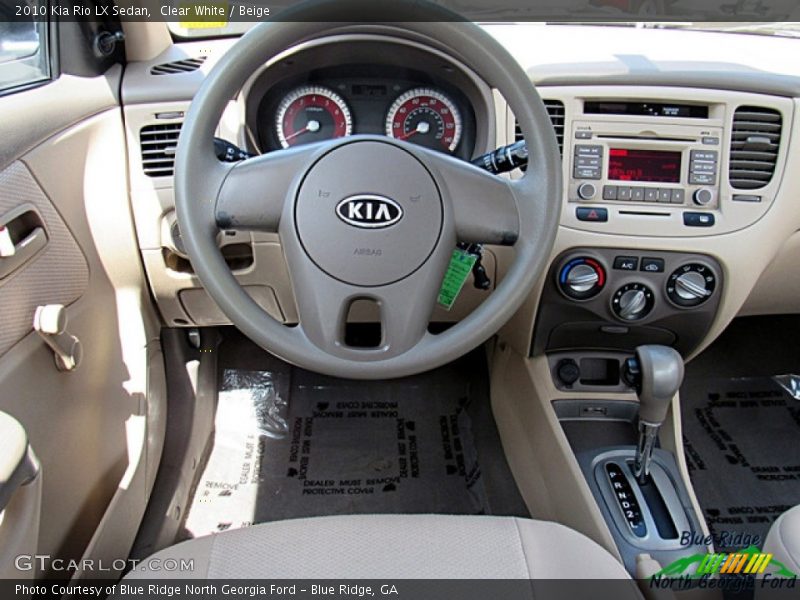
(633, 302)
(582, 278)
(691, 285)
(703, 196)
(587, 191)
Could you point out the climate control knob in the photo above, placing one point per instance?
(691, 285)
(633, 302)
(582, 278)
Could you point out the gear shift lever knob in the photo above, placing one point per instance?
(661, 375)
(656, 373)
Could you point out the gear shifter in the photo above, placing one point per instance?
(656, 372)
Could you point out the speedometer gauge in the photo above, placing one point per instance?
(312, 114)
(425, 117)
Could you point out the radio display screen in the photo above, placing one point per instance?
(657, 166)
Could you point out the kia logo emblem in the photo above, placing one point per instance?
(369, 211)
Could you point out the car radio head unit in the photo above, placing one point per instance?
(645, 163)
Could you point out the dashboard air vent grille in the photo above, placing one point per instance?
(159, 143)
(555, 108)
(755, 139)
(186, 65)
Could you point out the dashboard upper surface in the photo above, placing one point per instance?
(718, 73)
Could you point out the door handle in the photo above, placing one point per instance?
(22, 238)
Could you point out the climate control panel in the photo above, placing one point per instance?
(616, 299)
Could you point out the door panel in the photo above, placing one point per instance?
(58, 275)
(98, 430)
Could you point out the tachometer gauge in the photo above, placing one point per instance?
(312, 114)
(425, 117)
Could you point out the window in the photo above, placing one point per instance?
(24, 55)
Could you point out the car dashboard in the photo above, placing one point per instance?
(676, 151)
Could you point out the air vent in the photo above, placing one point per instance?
(555, 108)
(755, 140)
(186, 65)
(158, 143)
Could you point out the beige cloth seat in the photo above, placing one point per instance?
(391, 547)
(783, 539)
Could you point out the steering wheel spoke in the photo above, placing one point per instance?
(404, 310)
(484, 205)
(252, 194)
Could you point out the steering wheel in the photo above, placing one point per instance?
(366, 217)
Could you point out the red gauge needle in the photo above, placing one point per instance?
(422, 127)
(311, 127)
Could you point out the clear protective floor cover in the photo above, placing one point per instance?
(290, 443)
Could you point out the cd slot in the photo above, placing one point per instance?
(647, 138)
(643, 213)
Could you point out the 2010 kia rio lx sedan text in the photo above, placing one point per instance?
(351, 299)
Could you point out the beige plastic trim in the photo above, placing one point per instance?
(144, 41)
(544, 466)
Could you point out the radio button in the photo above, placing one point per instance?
(704, 167)
(587, 173)
(588, 161)
(709, 155)
(623, 192)
(702, 179)
(583, 135)
(664, 195)
(651, 195)
(584, 150)
(710, 141)
(609, 192)
(678, 196)
(637, 194)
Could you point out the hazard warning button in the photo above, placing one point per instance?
(595, 215)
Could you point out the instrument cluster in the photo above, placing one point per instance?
(407, 106)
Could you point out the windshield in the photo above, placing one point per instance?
(188, 29)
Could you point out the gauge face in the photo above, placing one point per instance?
(425, 117)
(312, 114)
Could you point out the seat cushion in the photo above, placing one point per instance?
(391, 547)
(783, 539)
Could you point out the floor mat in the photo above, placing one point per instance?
(290, 443)
(741, 443)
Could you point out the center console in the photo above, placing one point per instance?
(636, 485)
(616, 321)
(611, 300)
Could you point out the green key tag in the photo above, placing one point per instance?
(458, 271)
